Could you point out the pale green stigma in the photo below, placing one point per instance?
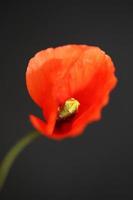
(69, 108)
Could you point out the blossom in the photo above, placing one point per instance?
(71, 84)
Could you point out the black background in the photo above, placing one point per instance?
(99, 163)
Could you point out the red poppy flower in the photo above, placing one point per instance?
(71, 84)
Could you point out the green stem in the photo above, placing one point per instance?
(10, 157)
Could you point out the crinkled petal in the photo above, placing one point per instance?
(46, 128)
(46, 72)
(92, 99)
(38, 124)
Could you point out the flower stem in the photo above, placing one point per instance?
(10, 157)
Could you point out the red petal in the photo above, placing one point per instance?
(45, 77)
(92, 98)
(38, 124)
(43, 127)
(46, 72)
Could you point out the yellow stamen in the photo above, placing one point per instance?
(69, 108)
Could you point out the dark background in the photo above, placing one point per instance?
(99, 163)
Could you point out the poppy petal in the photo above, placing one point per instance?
(38, 124)
(51, 64)
(41, 126)
(92, 99)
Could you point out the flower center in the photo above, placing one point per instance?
(69, 108)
